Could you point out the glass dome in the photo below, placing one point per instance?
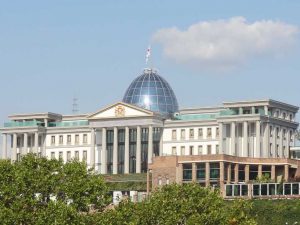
(152, 92)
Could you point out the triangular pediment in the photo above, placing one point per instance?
(120, 110)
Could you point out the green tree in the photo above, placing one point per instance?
(40, 191)
(180, 204)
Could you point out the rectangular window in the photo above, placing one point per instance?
(208, 149)
(68, 156)
(191, 133)
(69, 139)
(271, 131)
(84, 138)
(187, 172)
(84, 156)
(174, 135)
(60, 155)
(217, 132)
(200, 133)
(214, 171)
(174, 150)
(182, 150)
(284, 134)
(217, 149)
(191, 150)
(270, 150)
(52, 140)
(182, 134)
(200, 171)
(208, 132)
(77, 139)
(277, 150)
(277, 132)
(200, 150)
(52, 155)
(61, 139)
(77, 155)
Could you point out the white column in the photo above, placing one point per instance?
(115, 151)
(4, 146)
(221, 144)
(266, 142)
(232, 138)
(126, 155)
(92, 155)
(266, 110)
(274, 145)
(36, 142)
(13, 155)
(103, 153)
(138, 150)
(257, 146)
(150, 144)
(25, 147)
(245, 139)
(44, 153)
(46, 122)
(280, 142)
(287, 144)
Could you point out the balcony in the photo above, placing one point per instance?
(23, 124)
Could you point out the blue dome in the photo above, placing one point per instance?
(152, 92)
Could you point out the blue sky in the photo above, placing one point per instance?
(53, 50)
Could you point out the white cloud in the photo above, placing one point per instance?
(223, 44)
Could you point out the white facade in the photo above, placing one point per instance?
(119, 138)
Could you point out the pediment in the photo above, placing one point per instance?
(120, 110)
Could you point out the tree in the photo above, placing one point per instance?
(40, 191)
(180, 204)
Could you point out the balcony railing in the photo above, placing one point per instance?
(23, 124)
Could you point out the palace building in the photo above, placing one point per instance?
(235, 142)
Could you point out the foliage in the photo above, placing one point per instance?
(265, 178)
(179, 204)
(40, 191)
(276, 212)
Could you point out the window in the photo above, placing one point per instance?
(291, 117)
(191, 133)
(277, 132)
(61, 139)
(214, 171)
(84, 156)
(68, 156)
(191, 150)
(77, 139)
(174, 150)
(217, 132)
(277, 150)
(52, 155)
(208, 132)
(284, 115)
(284, 134)
(200, 174)
(187, 172)
(200, 133)
(84, 138)
(271, 131)
(182, 134)
(174, 135)
(60, 155)
(69, 139)
(77, 155)
(200, 149)
(182, 152)
(208, 149)
(270, 150)
(217, 149)
(52, 140)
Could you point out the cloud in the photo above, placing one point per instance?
(223, 44)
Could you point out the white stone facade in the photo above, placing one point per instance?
(123, 138)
